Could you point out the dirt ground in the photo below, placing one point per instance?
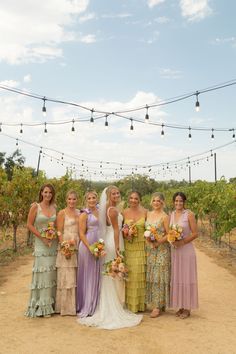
(211, 329)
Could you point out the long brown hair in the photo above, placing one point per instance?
(50, 186)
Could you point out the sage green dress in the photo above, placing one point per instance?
(43, 285)
(158, 272)
(136, 263)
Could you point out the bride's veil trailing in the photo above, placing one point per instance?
(102, 218)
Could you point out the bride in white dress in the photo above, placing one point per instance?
(110, 313)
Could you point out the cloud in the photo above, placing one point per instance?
(227, 40)
(27, 78)
(34, 32)
(87, 17)
(152, 3)
(162, 19)
(10, 83)
(152, 39)
(120, 15)
(167, 73)
(195, 10)
(89, 38)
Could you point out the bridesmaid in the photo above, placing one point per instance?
(68, 230)
(158, 259)
(88, 277)
(43, 286)
(184, 289)
(135, 254)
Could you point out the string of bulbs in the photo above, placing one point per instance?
(121, 114)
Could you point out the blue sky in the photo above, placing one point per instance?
(113, 55)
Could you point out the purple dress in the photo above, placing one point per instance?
(88, 276)
(183, 288)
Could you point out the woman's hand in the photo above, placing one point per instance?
(46, 241)
(178, 244)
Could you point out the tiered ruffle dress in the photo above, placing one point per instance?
(136, 263)
(43, 286)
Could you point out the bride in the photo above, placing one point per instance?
(110, 313)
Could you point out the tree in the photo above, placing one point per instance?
(15, 160)
(2, 158)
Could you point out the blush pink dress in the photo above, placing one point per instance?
(183, 288)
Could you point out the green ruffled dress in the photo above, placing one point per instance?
(43, 286)
(136, 263)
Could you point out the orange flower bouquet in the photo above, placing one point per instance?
(117, 268)
(175, 233)
(49, 232)
(68, 248)
(152, 234)
(98, 248)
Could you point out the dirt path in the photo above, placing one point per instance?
(212, 329)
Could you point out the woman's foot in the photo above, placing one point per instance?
(47, 316)
(185, 314)
(179, 312)
(155, 313)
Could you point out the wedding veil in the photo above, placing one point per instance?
(102, 216)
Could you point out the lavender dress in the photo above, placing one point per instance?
(183, 289)
(88, 277)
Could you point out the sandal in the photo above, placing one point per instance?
(155, 313)
(179, 312)
(185, 314)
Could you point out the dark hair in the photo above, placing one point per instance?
(50, 186)
(136, 192)
(180, 194)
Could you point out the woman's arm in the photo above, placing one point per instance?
(83, 229)
(113, 215)
(30, 224)
(60, 224)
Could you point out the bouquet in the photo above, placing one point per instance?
(98, 248)
(175, 233)
(116, 268)
(152, 234)
(130, 229)
(68, 248)
(49, 232)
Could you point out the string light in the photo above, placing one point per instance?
(17, 142)
(91, 118)
(106, 123)
(131, 125)
(212, 134)
(189, 134)
(197, 104)
(233, 136)
(162, 130)
(73, 126)
(147, 115)
(45, 128)
(21, 129)
(0, 127)
(44, 110)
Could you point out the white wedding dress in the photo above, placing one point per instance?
(110, 313)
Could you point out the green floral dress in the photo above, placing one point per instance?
(158, 272)
(136, 263)
(43, 286)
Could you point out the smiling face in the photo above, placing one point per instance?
(134, 199)
(71, 200)
(179, 203)
(91, 200)
(157, 203)
(115, 195)
(47, 194)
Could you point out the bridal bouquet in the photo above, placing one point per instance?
(130, 229)
(68, 248)
(152, 234)
(49, 232)
(116, 268)
(175, 233)
(98, 248)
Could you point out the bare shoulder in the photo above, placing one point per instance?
(33, 207)
(112, 211)
(191, 215)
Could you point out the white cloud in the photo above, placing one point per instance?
(27, 78)
(168, 73)
(87, 17)
(162, 19)
(152, 3)
(121, 15)
(89, 38)
(10, 83)
(227, 40)
(34, 32)
(195, 10)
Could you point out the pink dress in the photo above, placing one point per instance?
(183, 288)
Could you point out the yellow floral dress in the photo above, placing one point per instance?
(136, 262)
(158, 272)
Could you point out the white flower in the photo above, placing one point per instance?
(95, 249)
(101, 240)
(147, 233)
